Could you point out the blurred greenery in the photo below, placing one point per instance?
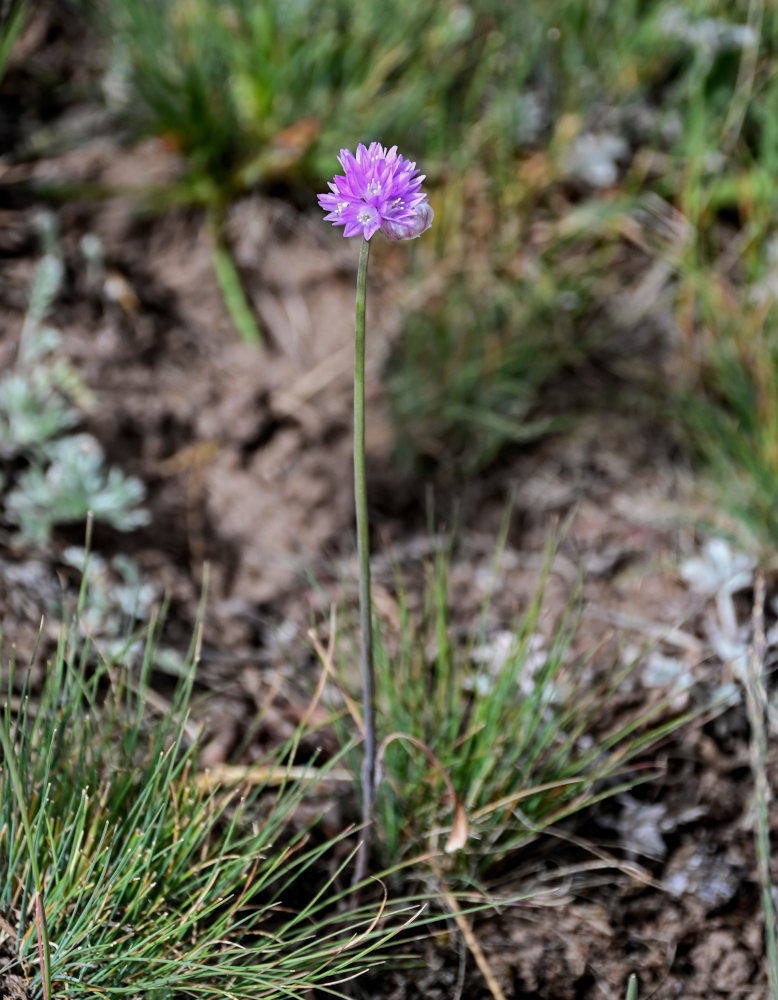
(521, 115)
(468, 371)
(256, 89)
(543, 127)
(730, 418)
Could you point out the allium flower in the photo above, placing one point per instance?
(380, 190)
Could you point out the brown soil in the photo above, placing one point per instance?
(246, 454)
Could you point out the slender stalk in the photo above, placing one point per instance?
(44, 948)
(363, 551)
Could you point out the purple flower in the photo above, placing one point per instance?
(380, 190)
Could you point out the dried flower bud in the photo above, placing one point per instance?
(409, 229)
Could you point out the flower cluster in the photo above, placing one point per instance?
(379, 190)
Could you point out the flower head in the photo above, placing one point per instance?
(379, 190)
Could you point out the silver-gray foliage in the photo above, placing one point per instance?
(41, 403)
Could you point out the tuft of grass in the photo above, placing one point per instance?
(152, 883)
(256, 92)
(513, 735)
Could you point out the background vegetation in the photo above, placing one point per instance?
(599, 171)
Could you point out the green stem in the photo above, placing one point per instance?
(40, 917)
(363, 550)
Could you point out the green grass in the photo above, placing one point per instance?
(522, 733)
(152, 884)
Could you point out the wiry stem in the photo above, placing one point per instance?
(363, 550)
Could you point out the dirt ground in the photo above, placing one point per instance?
(246, 455)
